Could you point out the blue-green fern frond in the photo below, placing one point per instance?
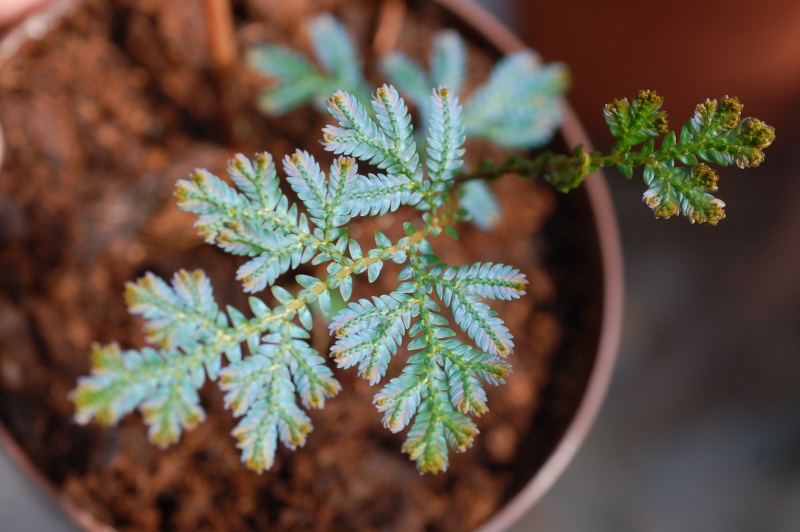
(521, 104)
(436, 426)
(280, 376)
(445, 138)
(448, 60)
(395, 121)
(262, 390)
(465, 368)
(359, 136)
(381, 193)
(299, 82)
(369, 333)
(410, 79)
(176, 315)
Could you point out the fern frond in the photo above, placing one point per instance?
(486, 280)
(521, 103)
(409, 78)
(369, 333)
(395, 121)
(445, 138)
(448, 60)
(270, 413)
(717, 133)
(299, 82)
(479, 203)
(281, 373)
(264, 388)
(335, 50)
(381, 193)
(465, 368)
(176, 315)
(436, 426)
(162, 384)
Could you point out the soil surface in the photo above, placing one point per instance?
(101, 118)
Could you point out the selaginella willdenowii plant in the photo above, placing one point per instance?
(264, 362)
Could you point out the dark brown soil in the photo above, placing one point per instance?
(101, 118)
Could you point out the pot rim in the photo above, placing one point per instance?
(499, 35)
(603, 213)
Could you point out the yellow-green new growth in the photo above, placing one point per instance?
(677, 174)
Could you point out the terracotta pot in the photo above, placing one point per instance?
(602, 325)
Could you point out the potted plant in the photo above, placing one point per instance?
(131, 226)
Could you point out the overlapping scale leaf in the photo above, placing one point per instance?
(395, 121)
(466, 368)
(341, 180)
(271, 414)
(483, 279)
(436, 427)
(162, 384)
(377, 194)
(313, 380)
(256, 179)
(388, 146)
(264, 388)
(476, 318)
(171, 409)
(718, 134)
(357, 134)
(308, 181)
(215, 201)
(400, 398)
(119, 382)
(636, 121)
(369, 333)
(668, 194)
(445, 138)
(178, 314)
(279, 253)
(481, 323)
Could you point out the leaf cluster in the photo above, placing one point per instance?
(519, 106)
(677, 173)
(279, 376)
(437, 313)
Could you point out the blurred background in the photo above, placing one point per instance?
(701, 427)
